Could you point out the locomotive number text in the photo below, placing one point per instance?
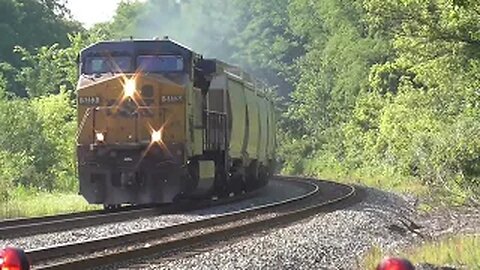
(171, 99)
(89, 101)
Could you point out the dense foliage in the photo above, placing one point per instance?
(383, 88)
(37, 79)
(389, 88)
(30, 24)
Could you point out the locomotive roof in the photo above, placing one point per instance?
(164, 46)
(137, 46)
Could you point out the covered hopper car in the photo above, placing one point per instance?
(158, 122)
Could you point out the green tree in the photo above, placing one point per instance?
(51, 68)
(252, 34)
(19, 135)
(429, 84)
(265, 43)
(31, 24)
(335, 68)
(56, 115)
(386, 85)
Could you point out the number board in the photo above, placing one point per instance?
(89, 101)
(171, 99)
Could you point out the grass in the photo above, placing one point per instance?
(384, 179)
(29, 203)
(461, 251)
(448, 194)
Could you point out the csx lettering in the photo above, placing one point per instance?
(172, 99)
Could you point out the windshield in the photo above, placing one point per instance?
(103, 64)
(160, 63)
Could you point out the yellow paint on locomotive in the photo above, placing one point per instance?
(157, 104)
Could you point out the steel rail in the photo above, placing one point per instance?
(30, 226)
(51, 252)
(25, 221)
(285, 211)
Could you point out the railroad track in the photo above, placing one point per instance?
(15, 228)
(24, 227)
(324, 196)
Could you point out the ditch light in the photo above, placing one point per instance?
(99, 137)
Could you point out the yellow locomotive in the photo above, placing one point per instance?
(157, 122)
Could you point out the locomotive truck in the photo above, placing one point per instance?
(158, 122)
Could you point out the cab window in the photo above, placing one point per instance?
(160, 63)
(101, 64)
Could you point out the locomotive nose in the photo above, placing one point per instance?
(133, 141)
(132, 109)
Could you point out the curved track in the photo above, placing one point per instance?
(15, 228)
(323, 196)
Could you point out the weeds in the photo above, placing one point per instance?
(460, 251)
(28, 203)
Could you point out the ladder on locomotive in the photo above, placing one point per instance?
(215, 131)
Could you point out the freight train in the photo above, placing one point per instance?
(157, 122)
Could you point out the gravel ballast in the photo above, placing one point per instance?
(335, 240)
(275, 191)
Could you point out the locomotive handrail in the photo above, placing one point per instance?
(215, 112)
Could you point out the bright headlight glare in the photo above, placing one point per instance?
(156, 136)
(129, 88)
(100, 137)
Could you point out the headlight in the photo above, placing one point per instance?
(157, 136)
(129, 88)
(99, 137)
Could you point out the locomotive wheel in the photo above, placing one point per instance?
(237, 181)
(252, 177)
(263, 175)
(221, 184)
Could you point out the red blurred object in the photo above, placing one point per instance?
(13, 259)
(395, 264)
